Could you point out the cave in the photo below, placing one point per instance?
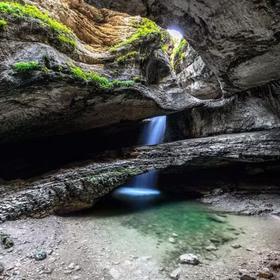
(139, 140)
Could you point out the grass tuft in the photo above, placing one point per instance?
(3, 23)
(65, 34)
(26, 66)
(128, 56)
(178, 52)
(100, 81)
(69, 41)
(145, 28)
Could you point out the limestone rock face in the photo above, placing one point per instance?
(257, 109)
(75, 79)
(195, 77)
(238, 41)
(80, 186)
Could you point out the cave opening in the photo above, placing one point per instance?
(175, 33)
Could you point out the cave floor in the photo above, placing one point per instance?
(136, 244)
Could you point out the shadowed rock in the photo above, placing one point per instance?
(79, 187)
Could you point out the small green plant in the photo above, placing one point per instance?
(101, 81)
(179, 51)
(26, 66)
(65, 34)
(144, 28)
(69, 41)
(126, 57)
(137, 79)
(3, 23)
(165, 47)
(119, 83)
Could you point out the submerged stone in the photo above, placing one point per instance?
(175, 274)
(40, 255)
(217, 218)
(6, 240)
(189, 259)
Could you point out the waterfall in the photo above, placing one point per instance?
(144, 185)
(152, 134)
(153, 131)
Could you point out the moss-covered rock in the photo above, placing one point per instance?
(3, 23)
(97, 79)
(24, 11)
(179, 53)
(26, 66)
(144, 28)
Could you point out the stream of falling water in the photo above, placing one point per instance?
(145, 184)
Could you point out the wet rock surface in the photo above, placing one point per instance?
(79, 187)
(245, 202)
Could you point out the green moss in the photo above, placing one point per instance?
(143, 29)
(118, 83)
(178, 53)
(100, 81)
(137, 79)
(126, 57)
(66, 40)
(26, 66)
(3, 23)
(165, 48)
(65, 34)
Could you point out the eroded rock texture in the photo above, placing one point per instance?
(58, 97)
(258, 109)
(238, 41)
(232, 47)
(98, 66)
(79, 187)
(195, 77)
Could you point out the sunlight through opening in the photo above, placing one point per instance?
(175, 34)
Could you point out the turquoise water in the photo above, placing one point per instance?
(191, 226)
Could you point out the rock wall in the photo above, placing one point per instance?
(258, 109)
(79, 187)
(73, 80)
(195, 77)
(238, 40)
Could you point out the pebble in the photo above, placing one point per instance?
(214, 240)
(115, 273)
(174, 234)
(2, 268)
(48, 271)
(189, 259)
(171, 240)
(275, 265)
(40, 255)
(77, 268)
(265, 273)
(6, 240)
(236, 246)
(71, 266)
(175, 274)
(217, 218)
(211, 248)
(247, 277)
